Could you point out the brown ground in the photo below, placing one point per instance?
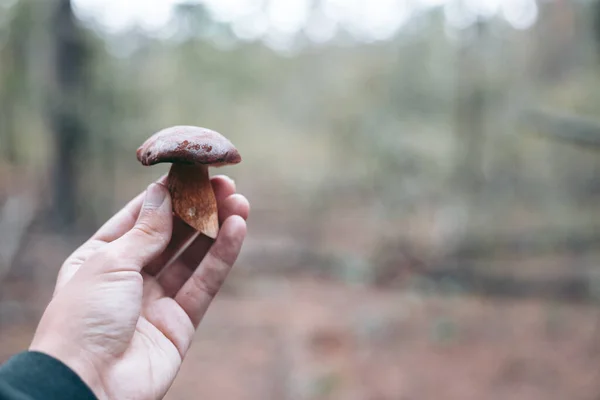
(305, 339)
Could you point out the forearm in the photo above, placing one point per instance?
(33, 376)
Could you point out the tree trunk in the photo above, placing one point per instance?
(67, 125)
(470, 114)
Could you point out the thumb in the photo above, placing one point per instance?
(151, 233)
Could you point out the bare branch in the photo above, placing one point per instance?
(563, 127)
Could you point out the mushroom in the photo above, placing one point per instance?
(191, 150)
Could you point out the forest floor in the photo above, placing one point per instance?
(303, 338)
(279, 332)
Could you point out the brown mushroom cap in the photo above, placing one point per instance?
(188, 145)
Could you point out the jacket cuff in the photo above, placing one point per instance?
(33, 375)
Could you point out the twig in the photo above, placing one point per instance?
(573, 129)
(182, 249)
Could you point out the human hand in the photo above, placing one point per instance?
(120, 319)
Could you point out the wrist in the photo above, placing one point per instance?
(77, 362)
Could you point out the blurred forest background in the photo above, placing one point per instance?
(424, 185)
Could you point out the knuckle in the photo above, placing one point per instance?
(106, 255)
(147, 230)
(211, 278)
(219, 256)
(107, 259)
(207, 285)
(116, 260)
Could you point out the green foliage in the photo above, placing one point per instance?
(434, 113)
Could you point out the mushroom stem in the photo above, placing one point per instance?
(193, 197)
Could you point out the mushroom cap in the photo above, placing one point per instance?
(188, 145)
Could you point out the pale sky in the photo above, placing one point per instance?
(369, 19)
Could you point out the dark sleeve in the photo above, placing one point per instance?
(36, 376)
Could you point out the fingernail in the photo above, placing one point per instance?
(155, 196)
